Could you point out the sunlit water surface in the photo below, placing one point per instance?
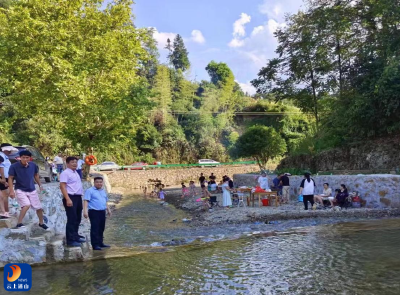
(346, 258)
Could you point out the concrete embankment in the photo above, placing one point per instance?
(139, 178)
(376, 191)
(34, 245)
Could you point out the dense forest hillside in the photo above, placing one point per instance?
(74, 76)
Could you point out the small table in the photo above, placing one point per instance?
(269, 195)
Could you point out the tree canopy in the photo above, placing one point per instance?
(339, 60)
(261, 143)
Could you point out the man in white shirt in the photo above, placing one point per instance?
(6, 149)
(59, 162)
(263, 182)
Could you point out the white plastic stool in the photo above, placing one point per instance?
(241, 199)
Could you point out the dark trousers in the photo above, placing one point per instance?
(306, 199)
(97, 226)
(74, 217)
(79, 171)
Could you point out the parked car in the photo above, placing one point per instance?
(107, 166)
(138, 166)
(208, 162)
(45, 170)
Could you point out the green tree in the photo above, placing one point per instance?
(77, 62)
(179, 57)
(261, 143)
(149, 68)
(162, 88)
(300, 71)
(222, 77)
(148, 138)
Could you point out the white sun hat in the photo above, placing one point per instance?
(9, 148)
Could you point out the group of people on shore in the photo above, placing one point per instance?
(281, 184)
(307, 191)
(17, 181)
(210, 187)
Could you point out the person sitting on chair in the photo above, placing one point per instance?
(326, 194)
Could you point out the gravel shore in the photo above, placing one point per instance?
(291, 211)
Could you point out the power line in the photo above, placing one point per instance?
(236, 113)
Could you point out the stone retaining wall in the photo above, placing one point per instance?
(139, 178)
(376, 191)
(32, 244)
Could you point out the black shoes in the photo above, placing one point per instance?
(105, 246)
(19, 225)
(44, 226)
(97, 248)
(81, 240)
(74, 244)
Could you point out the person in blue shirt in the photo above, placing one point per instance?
(95, 207)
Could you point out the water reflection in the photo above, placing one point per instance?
(355, 258)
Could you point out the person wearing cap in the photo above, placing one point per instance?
(72, 190)
(25, 173)
(6, 149)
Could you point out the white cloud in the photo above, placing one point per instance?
(197, 37)
(273, 26)
(257, 30)
(254, 51)
(247, 88)
(239, 29)
(162, 37)
(236, 43)
(276, 9)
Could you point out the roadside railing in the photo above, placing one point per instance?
(168, 166)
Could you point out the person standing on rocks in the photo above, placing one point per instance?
(25, 173)
(226, 195)
(307, 188)
(6, 149)
(285, 183)
(201, 179)
(95, 208)
(212, 177)
(72, 190)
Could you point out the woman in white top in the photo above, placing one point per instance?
(326, 194)
(307, 187)
(226, 194)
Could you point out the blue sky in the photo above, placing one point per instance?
(237, 32)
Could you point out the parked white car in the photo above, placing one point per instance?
(107, 166)
(208, 162)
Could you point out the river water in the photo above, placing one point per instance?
(343, 258)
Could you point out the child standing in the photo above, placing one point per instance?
(161, 194)
(205, 197)
(192, 187)
(185, 191)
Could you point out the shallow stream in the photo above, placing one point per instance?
(360, 257)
